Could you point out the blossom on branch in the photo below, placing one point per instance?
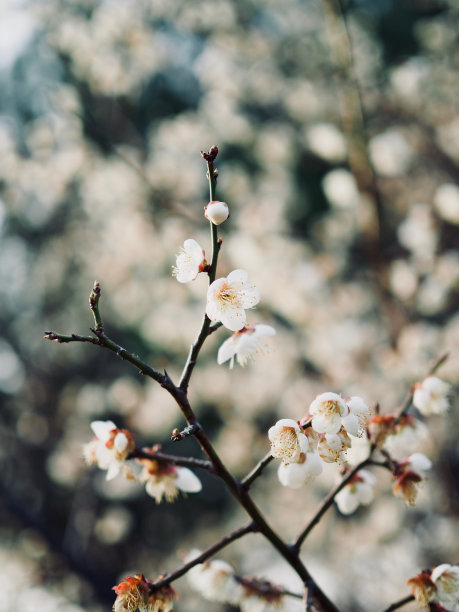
(356, 420)
(166, 480)
(446, 580)
(110, 447)
(330, 412)
(409, 474)
(356, 492)
(260, 596)
(217, 212)
(245, 344)
(405, 437)
(300, 460)
(431, 396)
(288, 441)
(327, 411)
(437, 589)
(134, 593)
(228, 298)
(215, 580)
(190, 261)
(295, 475)
(332, 447)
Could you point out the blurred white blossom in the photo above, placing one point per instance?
(245, 344)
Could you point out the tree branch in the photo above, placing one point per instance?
(257, 470)
(209, 552)
(328, 501)
(145, 453)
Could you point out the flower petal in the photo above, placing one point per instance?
(187, 481)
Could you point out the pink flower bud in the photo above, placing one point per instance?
(216, 212)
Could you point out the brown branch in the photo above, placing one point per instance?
(327, 502)
(209, 552)
(257, 470)
(193, 462)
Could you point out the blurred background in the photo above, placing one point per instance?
(340, 164)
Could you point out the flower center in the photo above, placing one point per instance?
(227, 296)
(288, 447)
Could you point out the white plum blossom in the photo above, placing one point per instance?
(409, 474)
(446, 579)
(333, 447)
(356, 492)
(327, 411)
(110, 447)
(439, 587)
(295, 475)
(190, 261)
(215, 580)
(217, 212)
(166, 480)
(431, 396)
(356, 420)
(300, 462)
(288, 441)
(405, 437)
(228, 298)
(245, 344)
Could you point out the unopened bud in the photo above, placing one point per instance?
(216, 212)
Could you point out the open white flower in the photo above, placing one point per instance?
(295, 475)
(431, 396)
(228, 298)
(190, 261)
(110, 447)
(217, 212)
(327, 411)
(215, 580)
(359, 413)
(356, 492)
(166, 480)
(332, 447)
(245, 344)
(288, 441)
(446, 579)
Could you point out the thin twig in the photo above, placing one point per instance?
(209, 552)
(327, 502)
(265, 588)
(145, 453)
(205, 330)
(400, 603)
(257, 470)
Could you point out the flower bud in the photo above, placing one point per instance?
(216, 212)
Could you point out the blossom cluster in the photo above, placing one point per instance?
(110, 450)
(216, 580)
(136, 593)
(437, 589)
(325, 435)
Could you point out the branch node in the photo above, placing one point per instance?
(188, 431)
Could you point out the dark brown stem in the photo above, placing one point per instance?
(209, 552)
(257, 470)
(400, 603)
(327, 502)
(145, 453)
